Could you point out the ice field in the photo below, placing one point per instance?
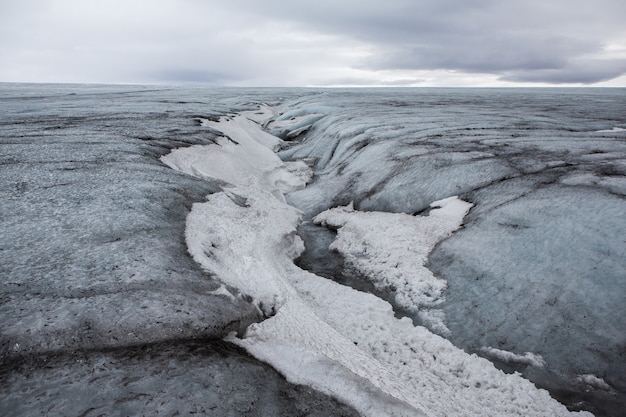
(366, 252)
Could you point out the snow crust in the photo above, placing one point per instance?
(391, 250)
(338, 340)
(527, 358)
(247, 161)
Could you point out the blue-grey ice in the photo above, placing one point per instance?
(141, 226)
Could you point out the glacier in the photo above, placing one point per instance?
(121, 274)
(539, 265)
(250, 243)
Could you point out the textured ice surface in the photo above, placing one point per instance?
(571, 293)
(615, 129)
(537, 150)
(343, 342)
(92, 244)
(202, 377)
(97, 222)
(93, 259)
(245, 162)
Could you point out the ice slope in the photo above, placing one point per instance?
(92, 250)
(102, 310)
(539, 265)
(201, 377)
(338, 340)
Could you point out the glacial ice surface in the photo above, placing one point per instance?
(94, 260)
(539, 266)
(102, 310)
(343, 342)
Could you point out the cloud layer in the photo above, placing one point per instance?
(246, 42)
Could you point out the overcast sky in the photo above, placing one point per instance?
(315, 42)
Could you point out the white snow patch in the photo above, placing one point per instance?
(247, 161)
(594, 382)
(338, 340)
(391, 250)
(527, 358)
(615, 129)
(245, 246)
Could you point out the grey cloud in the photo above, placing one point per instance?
(481, 53)
(198, 41)
(354, 81)
(579, 71)
(532, 40)
(400, 82)
(190, 76)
